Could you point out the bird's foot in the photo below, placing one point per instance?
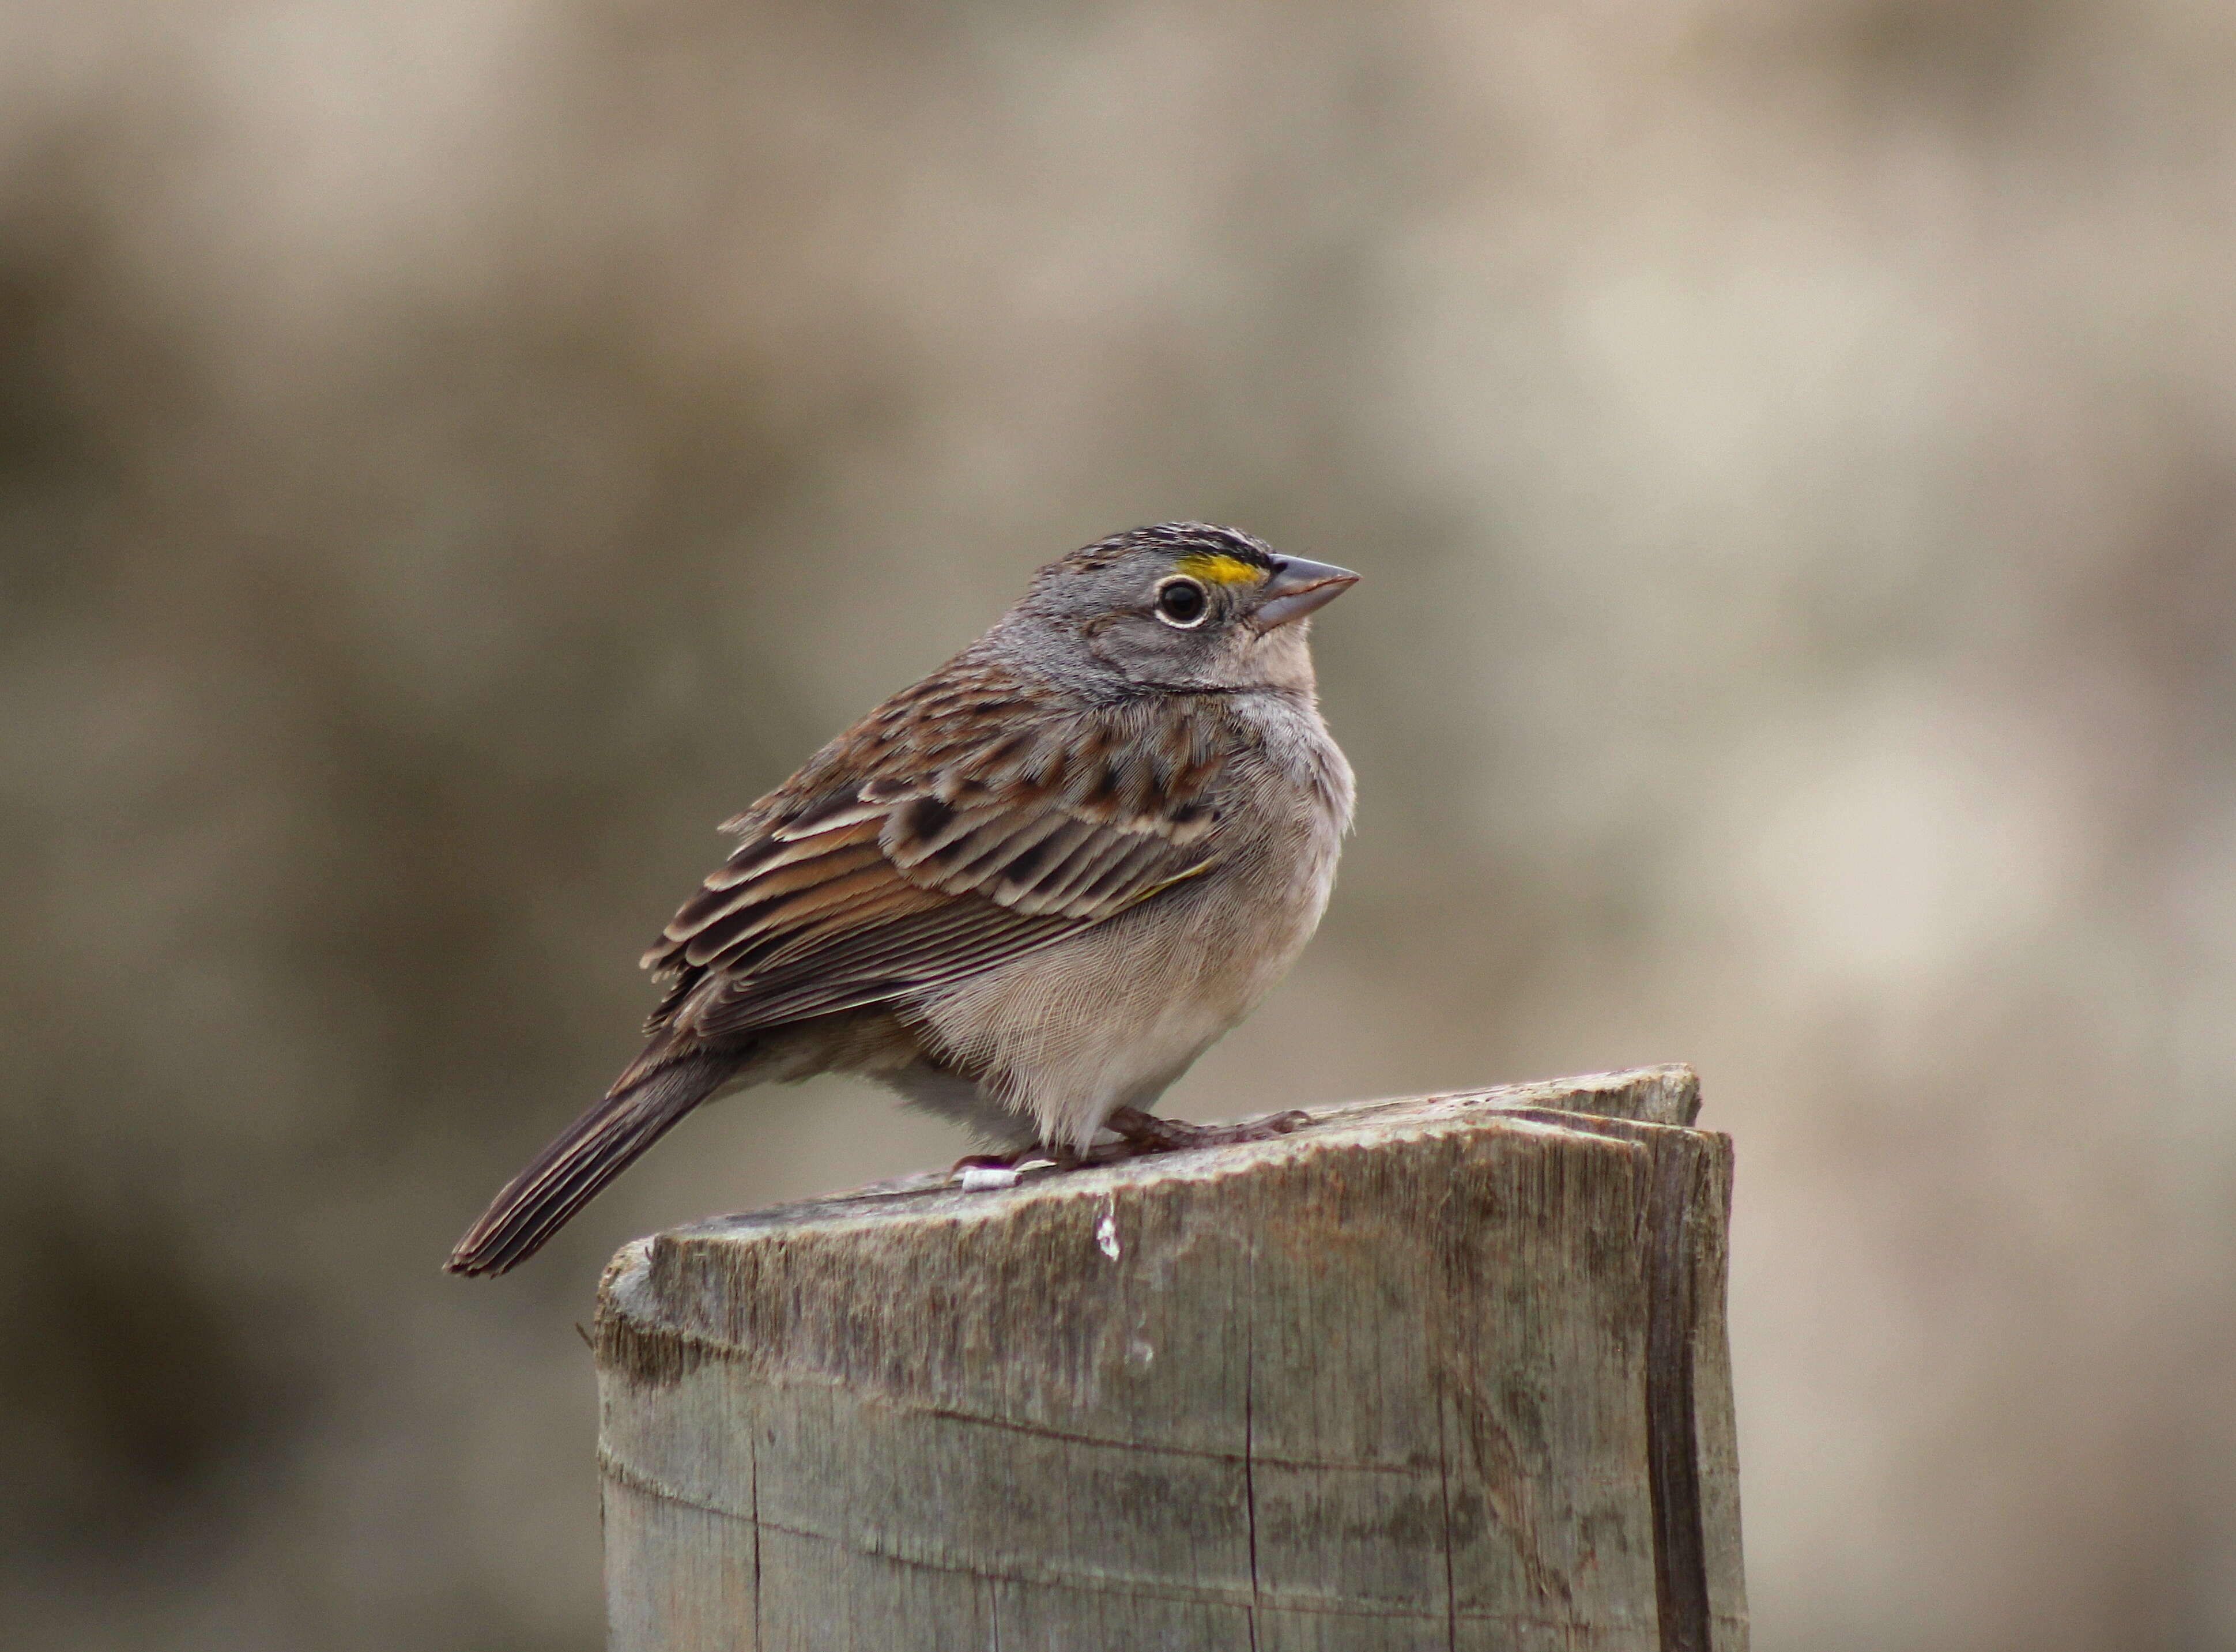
(982, 1170)
(1139, 1132)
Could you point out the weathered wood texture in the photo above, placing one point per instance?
(1448, 1373)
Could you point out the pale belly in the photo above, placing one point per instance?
(1111, 1017)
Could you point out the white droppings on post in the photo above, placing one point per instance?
(1106, 1232)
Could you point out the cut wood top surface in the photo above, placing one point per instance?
(1665, 1095)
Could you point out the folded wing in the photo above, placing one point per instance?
(972, 827)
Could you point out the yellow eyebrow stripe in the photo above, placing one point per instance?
(1214, 568)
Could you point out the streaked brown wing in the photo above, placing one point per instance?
(907, 856)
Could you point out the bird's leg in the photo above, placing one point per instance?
(1139, 1132)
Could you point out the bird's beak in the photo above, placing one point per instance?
(1297, 587)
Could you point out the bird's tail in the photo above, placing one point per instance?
(595, 1149)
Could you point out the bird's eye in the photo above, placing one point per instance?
(1180, 602)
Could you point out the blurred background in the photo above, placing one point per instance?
(453, 452)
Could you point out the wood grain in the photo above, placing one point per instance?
(1446, 1372)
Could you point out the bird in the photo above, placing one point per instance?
(1025, 893)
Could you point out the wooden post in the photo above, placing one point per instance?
(1447, 1372)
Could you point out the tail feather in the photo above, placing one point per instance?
(594, 1150)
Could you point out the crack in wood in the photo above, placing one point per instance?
(753, 1444)
(708, 1348)
(1681, 1565)
(1445, 1479)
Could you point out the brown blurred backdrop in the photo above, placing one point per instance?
(452, 452)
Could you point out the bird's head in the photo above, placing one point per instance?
(1180, 606)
